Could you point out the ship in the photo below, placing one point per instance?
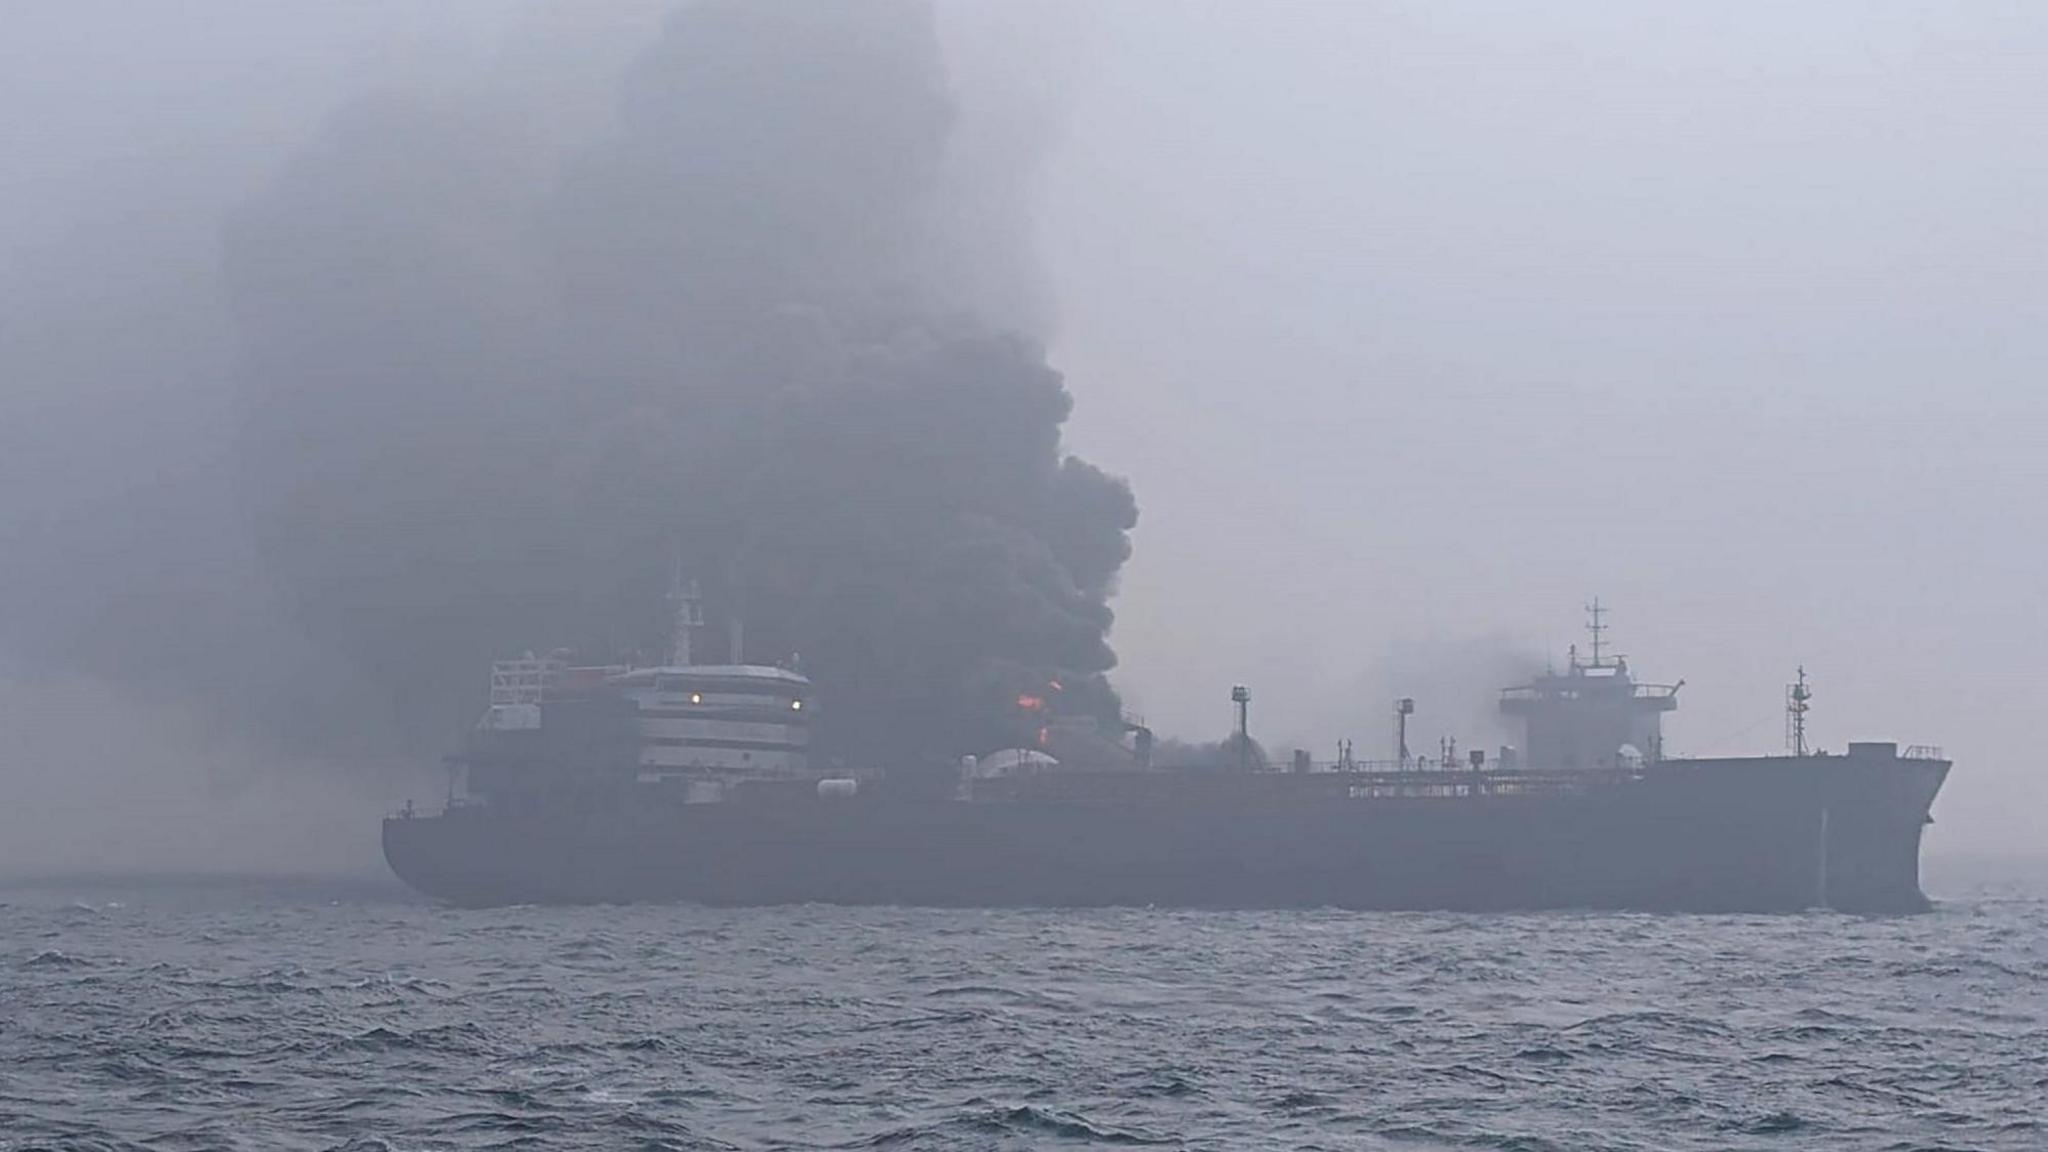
(693, 782)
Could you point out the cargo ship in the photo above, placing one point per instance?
(692, 782)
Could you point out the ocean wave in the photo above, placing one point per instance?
(384, 1027)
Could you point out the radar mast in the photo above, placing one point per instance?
(1797, 703)
(686, 613)
(1596, 624)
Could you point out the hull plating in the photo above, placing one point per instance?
(1756, 835)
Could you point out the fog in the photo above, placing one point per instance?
(1411, 328)
(1412, 323)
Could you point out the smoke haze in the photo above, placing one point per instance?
(343, 349)
(486, 375)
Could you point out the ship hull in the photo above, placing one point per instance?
(1751, 835)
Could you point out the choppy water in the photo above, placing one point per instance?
(275, 1017)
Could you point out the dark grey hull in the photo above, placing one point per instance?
(1752, 835)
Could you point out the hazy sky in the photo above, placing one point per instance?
(1413, 325)
(1420, 324)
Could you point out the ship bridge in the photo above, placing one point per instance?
(1592, 715)
(703, 721)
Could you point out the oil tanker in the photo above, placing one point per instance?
(692, 782)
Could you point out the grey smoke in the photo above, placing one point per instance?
(1223, 755)
(483, 367)
(1455, 680)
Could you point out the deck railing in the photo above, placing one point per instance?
(1354, 785)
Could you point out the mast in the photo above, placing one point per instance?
(1797, 697)
(1242, 697)
(1403, 709)
(686, 607)
(1597, 625)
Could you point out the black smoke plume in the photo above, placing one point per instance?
(488, 384)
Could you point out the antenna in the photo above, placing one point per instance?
(1797, 695)
(1597, 625)
(686, 606)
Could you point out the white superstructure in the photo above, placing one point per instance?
(720, 721)
(707, 725)
(699, 727)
